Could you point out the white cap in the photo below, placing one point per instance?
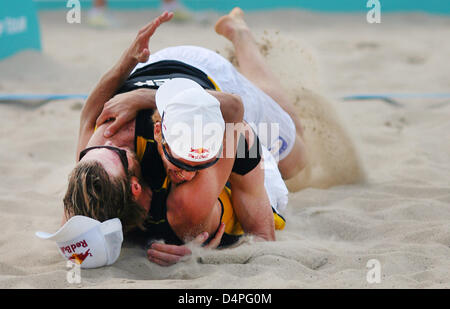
(88, 242)
(192, 123)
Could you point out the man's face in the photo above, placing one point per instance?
(112, 162)
(176, 174)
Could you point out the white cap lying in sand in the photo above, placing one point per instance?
(88, 242)
(192, 123)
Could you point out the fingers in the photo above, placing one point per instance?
(114, 127)
(166, 255)
(200, 239)
(104, 116)
(165, 16)
(152, 23)
(141, 43)
(152, 26)
(158, 261)
(171, 249)
(162, 258)
(214, 243)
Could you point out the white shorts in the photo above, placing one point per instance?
(274, 126)
(273, 182)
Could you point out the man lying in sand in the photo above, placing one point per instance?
(185, 218)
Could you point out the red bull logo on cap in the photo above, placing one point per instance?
(199, 150)
(79, 258)
(198, 153)
(76, 257)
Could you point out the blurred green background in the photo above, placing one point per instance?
(430, 6)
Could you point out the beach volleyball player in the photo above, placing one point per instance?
(116, 160)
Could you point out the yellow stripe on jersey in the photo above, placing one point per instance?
(214, 83)
(232, 225)
(141, 145)
(279, 221)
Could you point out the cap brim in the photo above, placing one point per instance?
(170, 89)
(111, 225)
(72, 228)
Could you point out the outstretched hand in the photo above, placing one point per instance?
(138, 52)
(139, 49)
(166, 255)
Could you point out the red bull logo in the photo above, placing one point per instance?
(79, 258)
(71, 247)
(199, 150)
(198, 153)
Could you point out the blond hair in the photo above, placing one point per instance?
(93, 193)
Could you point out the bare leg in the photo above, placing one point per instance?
(253, 66)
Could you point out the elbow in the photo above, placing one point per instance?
(233, 111)
(263, 233)
(237, 108)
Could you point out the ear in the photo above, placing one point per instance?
(136, 188)
(157, 132)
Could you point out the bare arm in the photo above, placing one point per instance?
(124, 107)
(193, 206)
(251, 203)
(104, 90)
(113, 79)
(230, 105)
(190, 213)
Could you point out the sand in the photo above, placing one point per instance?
(378, 184)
